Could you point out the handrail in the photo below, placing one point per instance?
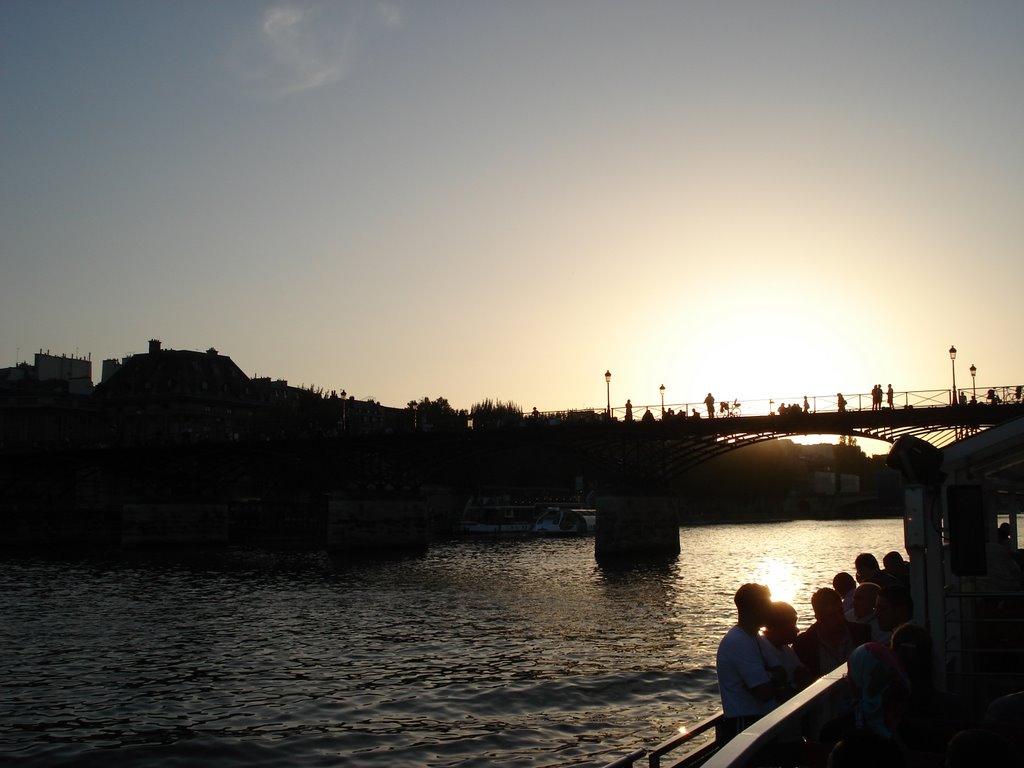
(626, 761)
(654, 759)
(857, 401)
(747, 744)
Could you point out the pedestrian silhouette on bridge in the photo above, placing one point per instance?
(888, 397)
(841, 402)
(807, 405)
(629, 411)
(709, 401)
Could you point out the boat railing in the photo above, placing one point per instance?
(985, 645)
(694, 757)
(822, 697)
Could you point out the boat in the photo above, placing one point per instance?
(955, 499)
(508, 515)
(562, 521)
(496, 516)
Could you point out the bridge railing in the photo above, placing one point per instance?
(735, 407)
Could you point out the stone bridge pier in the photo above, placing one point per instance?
(636, 527)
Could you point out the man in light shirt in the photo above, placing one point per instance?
(750, 673)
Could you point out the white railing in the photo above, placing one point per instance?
(824, 697)
(826, 694)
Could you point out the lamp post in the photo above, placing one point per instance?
(662, 390)
(952, 360)
(608, 391)
(974, 383)
(344, 407)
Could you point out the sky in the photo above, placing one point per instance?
(503, 200)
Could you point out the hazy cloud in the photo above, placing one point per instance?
(302, 46)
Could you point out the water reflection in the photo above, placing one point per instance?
(477, 652)
(780, 576)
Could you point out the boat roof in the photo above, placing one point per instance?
(993, 457)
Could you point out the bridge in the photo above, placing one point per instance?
(644, 454)
(286, 483)
(664, 443)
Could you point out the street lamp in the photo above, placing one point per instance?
(974, 383)
(344, 407)
(952, 359)
(608, 391)
(662, 390)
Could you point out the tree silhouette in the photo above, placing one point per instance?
(437, 415)
(491, 413)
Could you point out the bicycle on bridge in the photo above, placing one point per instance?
(727, 409)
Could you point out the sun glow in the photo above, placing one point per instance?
(781, 578)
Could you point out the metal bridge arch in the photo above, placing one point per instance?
(652, 454)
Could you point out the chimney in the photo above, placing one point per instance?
(154, 346)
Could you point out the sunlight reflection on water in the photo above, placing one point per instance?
(480, 652)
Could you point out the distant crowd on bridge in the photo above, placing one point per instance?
(879, 398)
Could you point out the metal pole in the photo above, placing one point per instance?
(952, 360)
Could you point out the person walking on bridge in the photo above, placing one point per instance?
(709, 401)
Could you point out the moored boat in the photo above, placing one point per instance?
(562, 521)
(496, 515)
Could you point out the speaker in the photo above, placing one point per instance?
(917, 460)
(965, 509)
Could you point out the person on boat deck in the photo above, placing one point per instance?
(860, 748)
(780, 630)
(844, 584)
(893, 607)
(883, 689)
(972, 747)
(866, 567)
(863, 611)
(830, 640)
(749, 670)
(933, 715)
(881, 693)
(894, 565)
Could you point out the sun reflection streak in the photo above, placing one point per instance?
(781, 577)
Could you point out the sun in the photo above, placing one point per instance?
(780, 577)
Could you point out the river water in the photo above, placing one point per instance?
(481, 652)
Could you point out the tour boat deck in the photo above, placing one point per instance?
(954, 500)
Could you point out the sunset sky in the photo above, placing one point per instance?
(504, 199)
